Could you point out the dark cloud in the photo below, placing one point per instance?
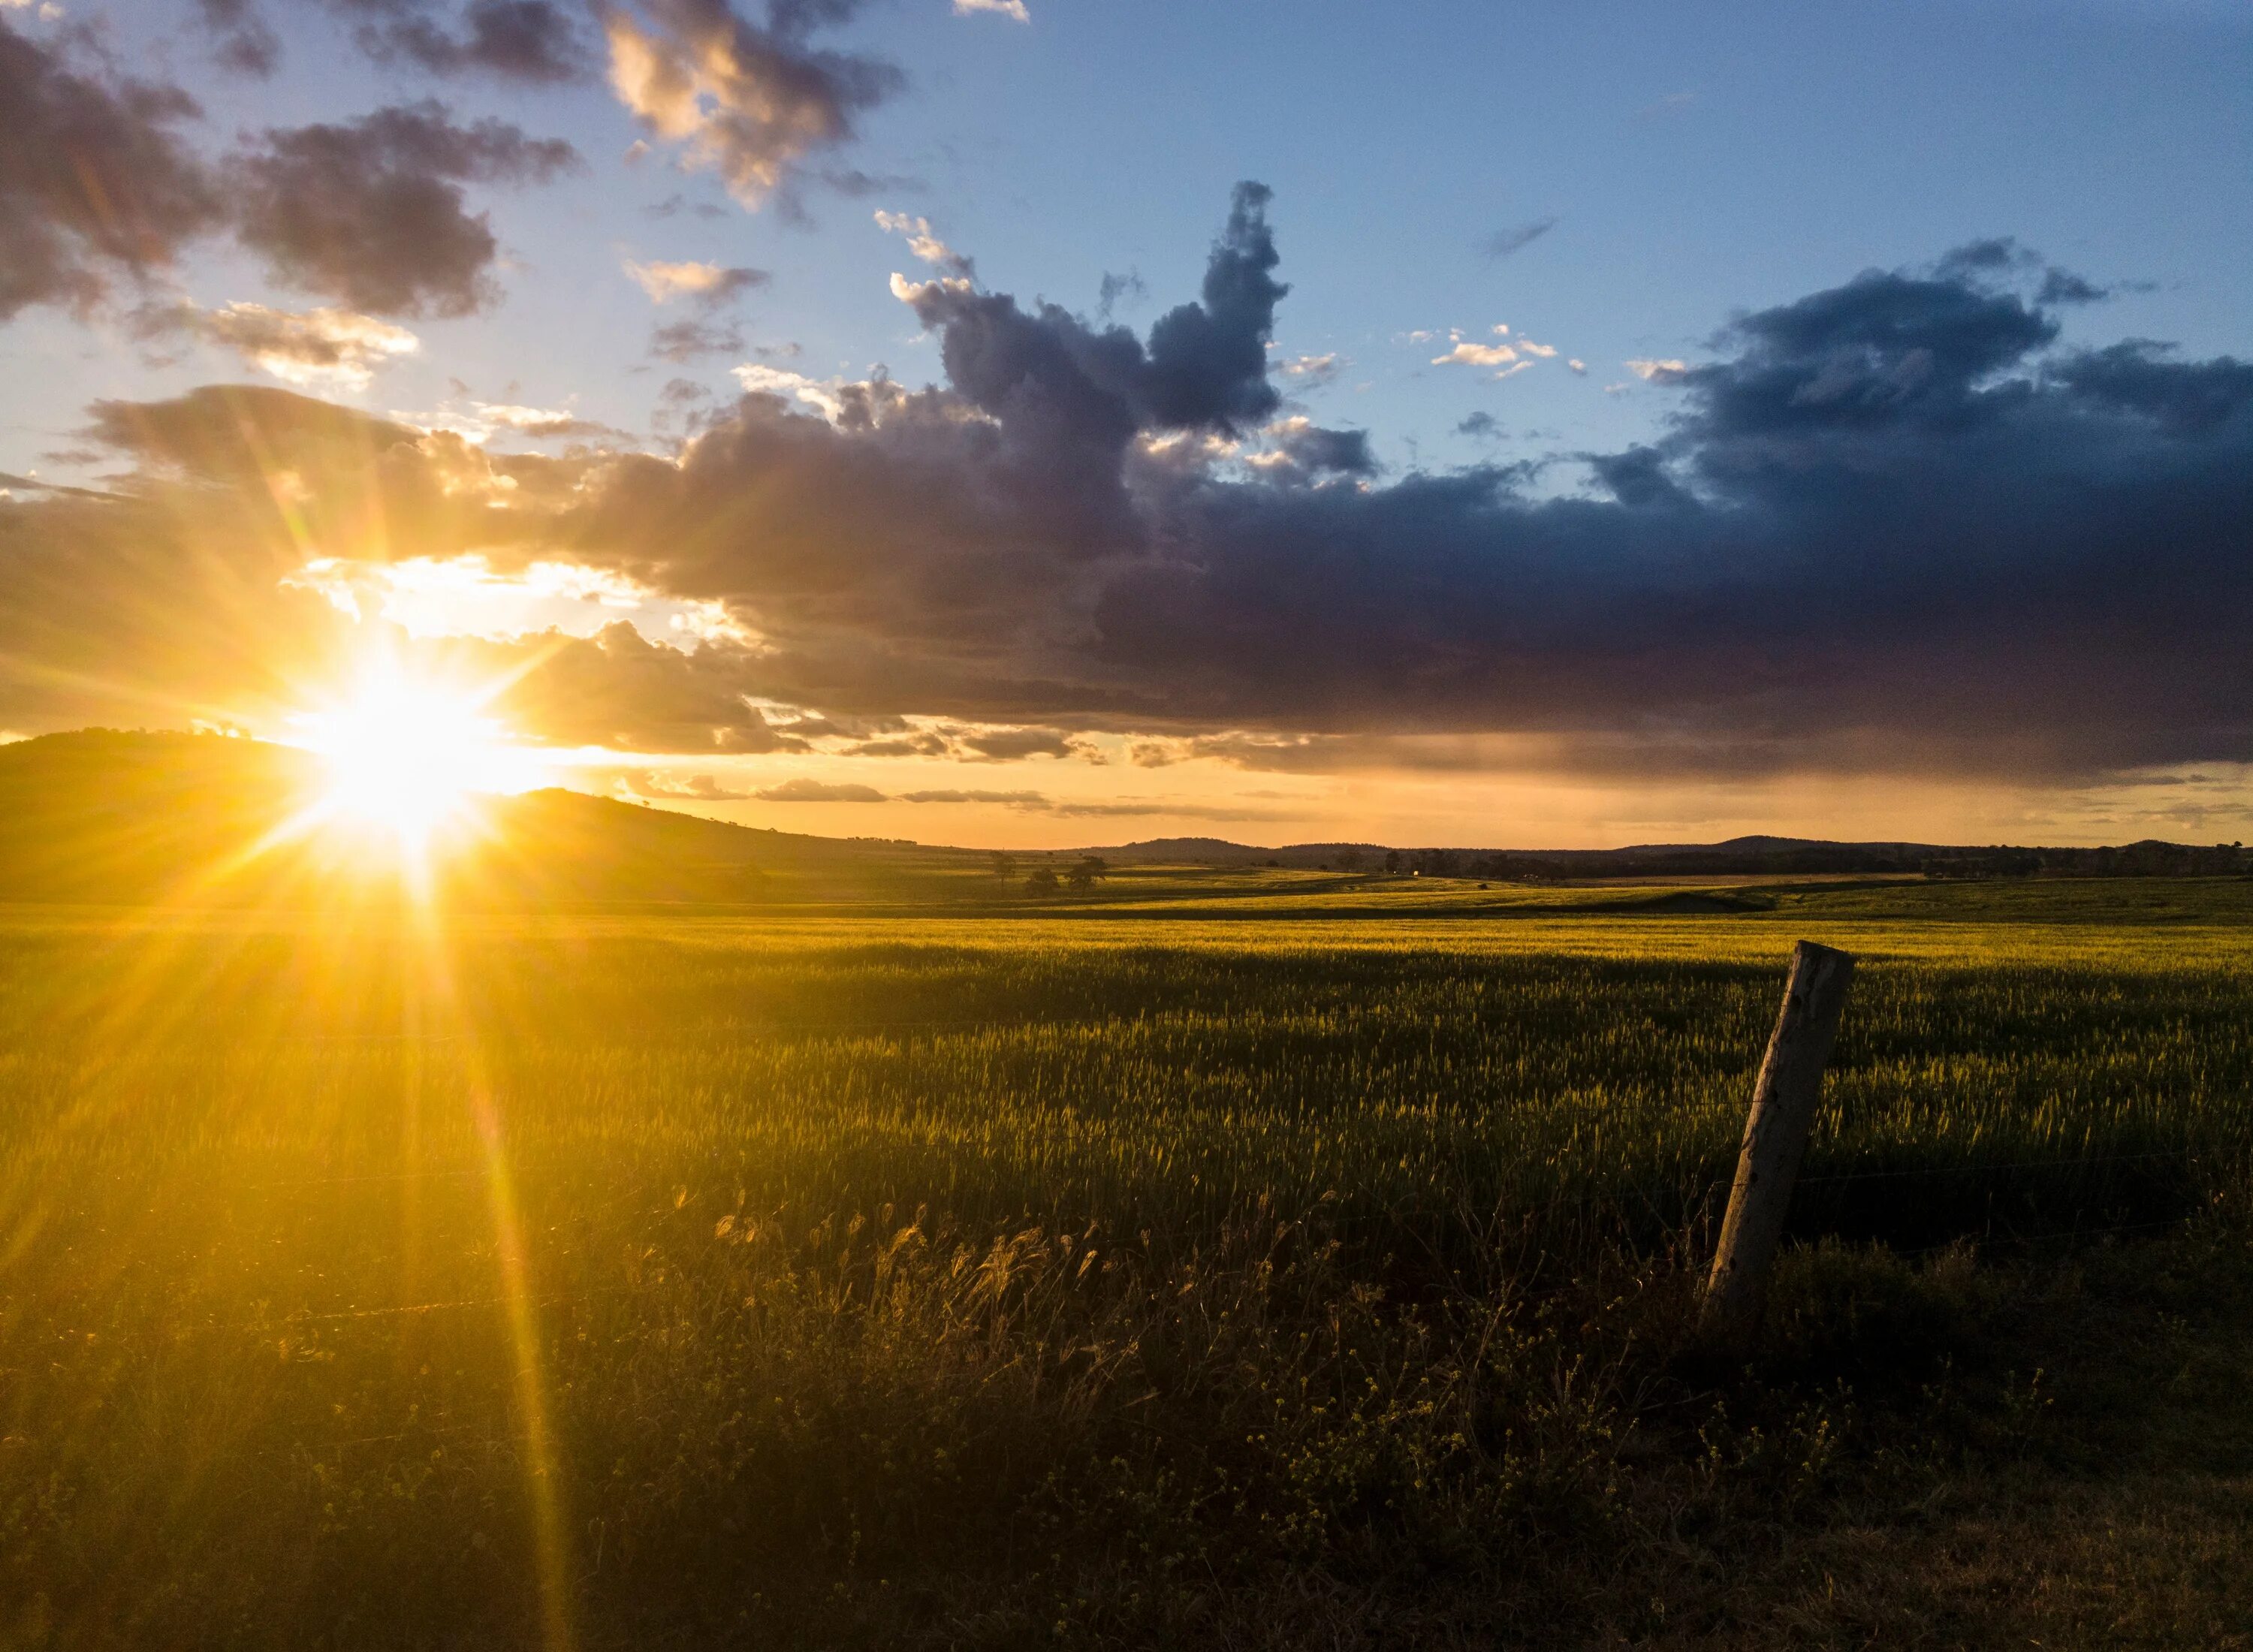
(373, 213)
(1637, 478)
(1008, 745)
(1312, 449)
(242, 38)
(1517, 237)
(1484, 425)
(188, 590)
(95, 180)
(751, 101)
(534, 41)
(1117, 290)
(1893, 526)
(690, 341)
(1209, 361)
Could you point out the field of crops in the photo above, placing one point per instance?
(1263, 1265)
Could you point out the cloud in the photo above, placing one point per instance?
(709, 286)
(1011, 745)
(1011, 9)
(1482, 425)
(1312, 373)
(1117, 290)
(242, 38)
(371, 214)
(1302, 445)
(1652, 371)
(688, 340)
(926, 246)
(96, 181)
(750, 101)
(532, 41)
(1007, 799)
(1894, 525)
(803, 790)
(1468, 353)
(1517, 237)
(313, 349)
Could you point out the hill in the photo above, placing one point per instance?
(106, 816)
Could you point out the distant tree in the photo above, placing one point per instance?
(1041, 881)
(1084, 873)
(1005, 865)
(1349, 861)
(1392, 859)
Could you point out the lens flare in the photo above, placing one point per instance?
(406, 756)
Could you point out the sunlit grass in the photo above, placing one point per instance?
(838, 1256)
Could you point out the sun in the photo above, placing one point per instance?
(407, 756)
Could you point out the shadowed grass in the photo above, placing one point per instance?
(963, 1282)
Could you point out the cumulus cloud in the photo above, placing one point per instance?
(1468, 352)
(709, 285)
(1013, 10)
(1653, 370)
(751, 101)
(372, 213)
(1895, 525)
(312, 349)
(96, 181)
(1303, 446)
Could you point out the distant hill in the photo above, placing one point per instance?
(1755, 856)
(105, 816)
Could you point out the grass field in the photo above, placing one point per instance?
(1268, 1258)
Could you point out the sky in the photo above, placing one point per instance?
(1041, 422)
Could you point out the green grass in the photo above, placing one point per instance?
(1269, 1258)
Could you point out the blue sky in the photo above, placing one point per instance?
(1692, 160)
(1612, 185)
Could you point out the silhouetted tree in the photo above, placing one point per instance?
(1005, 865)
(1083, 874)
(1040, 881)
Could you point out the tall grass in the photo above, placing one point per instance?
(839, 1281)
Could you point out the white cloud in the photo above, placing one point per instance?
(1577, 366)
(709, 285)
(911, 292)
(1313, 371)
(924, 244)
(1655, 371)
(1013, 8)
(1468, 354)
(781, 381)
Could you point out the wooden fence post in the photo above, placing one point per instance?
(1776, 1137)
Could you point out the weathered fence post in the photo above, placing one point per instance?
(1776, 1137)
